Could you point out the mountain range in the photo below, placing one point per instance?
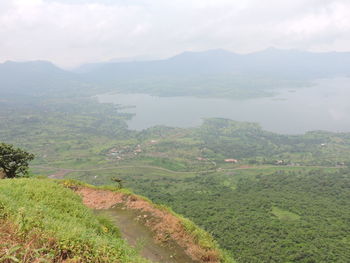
(38, 77)
(269, 61)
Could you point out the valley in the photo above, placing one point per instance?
(255, 191)
(174, 131)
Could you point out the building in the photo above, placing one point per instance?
(231, 161)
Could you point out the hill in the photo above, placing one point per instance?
(37, 78)
(44, 220)
(212, 73)
(220, 73)
(272, 61)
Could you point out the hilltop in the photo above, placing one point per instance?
(43, 219)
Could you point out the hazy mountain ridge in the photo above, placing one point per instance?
(36, 78)
(273, 61)
(213, 71)
(220, 73)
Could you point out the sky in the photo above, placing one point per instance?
(71, 32)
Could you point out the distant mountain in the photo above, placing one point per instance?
(287, 63)
(187, 63)
(295, 63)
(85, 68)
(220, 73)
(35, 78)
(217, 73)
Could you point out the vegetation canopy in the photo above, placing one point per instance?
(14, 161)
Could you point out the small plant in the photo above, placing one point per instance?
(118, 181)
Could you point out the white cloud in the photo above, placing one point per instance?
(69, 32)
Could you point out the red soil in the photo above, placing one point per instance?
(165, 225)
(30, 248)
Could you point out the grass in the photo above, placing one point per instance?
(204, 239)
(51, 212)
(284, 215)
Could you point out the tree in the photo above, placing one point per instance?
(14, 161)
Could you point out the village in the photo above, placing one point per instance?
(128, 151)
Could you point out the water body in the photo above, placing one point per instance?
(324, 106)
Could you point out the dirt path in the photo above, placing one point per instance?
(166, 228)
(141, 237)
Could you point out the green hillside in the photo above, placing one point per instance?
(43, 219)
(48, 222)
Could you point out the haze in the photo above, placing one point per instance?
(69, 33)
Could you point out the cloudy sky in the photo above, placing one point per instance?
(71, 32)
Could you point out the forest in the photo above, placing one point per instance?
(284, 216)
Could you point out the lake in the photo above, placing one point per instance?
(324, 106)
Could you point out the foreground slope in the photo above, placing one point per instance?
(168, 227)
(41, 220)
(44, 220)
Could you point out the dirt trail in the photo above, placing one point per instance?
(167, 229)
(141, 237)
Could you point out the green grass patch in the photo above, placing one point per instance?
(284, 215)
(48, 207)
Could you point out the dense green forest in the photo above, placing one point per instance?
(285, 198)
(284, 216)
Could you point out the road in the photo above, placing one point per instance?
(64, 171)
